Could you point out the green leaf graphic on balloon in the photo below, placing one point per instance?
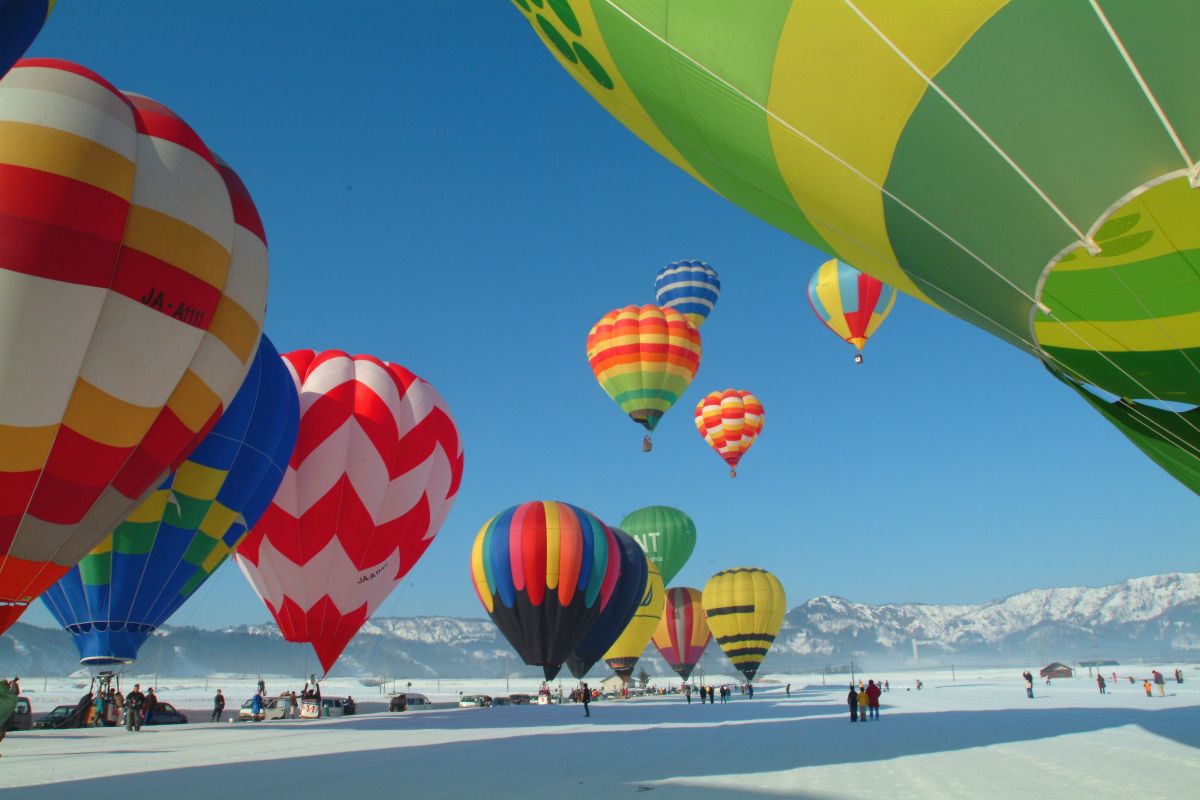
(572, 51)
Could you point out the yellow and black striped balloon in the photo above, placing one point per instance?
(745, 608)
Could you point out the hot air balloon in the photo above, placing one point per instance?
(544, 571)
(20, 23)
(132, 292)
(730, 421)
(375, 471)
(629, 646)
(632, 578)
(666, 534)
(689, 287)
(745, 608)
(644, 358)
(852, 304)
(682, 633)
(943, 149)
(156, 559)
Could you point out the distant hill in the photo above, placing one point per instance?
(1152, 618)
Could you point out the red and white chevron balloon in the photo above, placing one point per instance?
(377, 465)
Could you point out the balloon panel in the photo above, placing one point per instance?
(544, 571)
(745, 609)
(630, 645)
(154, 561)
(666, 534)
(375, 471)
(644, 359)
(134, 288)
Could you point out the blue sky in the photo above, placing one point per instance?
(438, 192)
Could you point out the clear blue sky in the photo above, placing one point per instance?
(438, 192)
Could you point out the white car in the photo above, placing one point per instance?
(475, 701)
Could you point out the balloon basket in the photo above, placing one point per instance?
(647, 445)
(858, 359)
(733, 473)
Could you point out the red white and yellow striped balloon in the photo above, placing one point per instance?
(730, 421)
(133, 284)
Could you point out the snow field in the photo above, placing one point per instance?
(977, 736)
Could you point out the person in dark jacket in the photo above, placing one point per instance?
(134, 701)
(1101, 683)
(218, 706)
(852, 700)
(587, 698)
(873, 699)
(151, 705)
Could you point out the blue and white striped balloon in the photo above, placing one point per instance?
(689, 287)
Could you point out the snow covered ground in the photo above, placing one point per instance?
(972, 736)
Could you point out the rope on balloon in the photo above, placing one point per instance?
(1034, 347)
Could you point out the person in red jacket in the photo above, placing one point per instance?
(873, 699)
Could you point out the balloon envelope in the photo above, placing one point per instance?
(729, 422)
(20, 23)
(629, 646)
(683, 632)
(644, 358)
(745, 609)
(132, 292)
(852, 304)
(943, 149)
(627, 594)
(154, 561)
(666, 534)
(544, 571)
(377, 465)
(689, 287)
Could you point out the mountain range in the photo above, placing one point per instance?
(1155, 618)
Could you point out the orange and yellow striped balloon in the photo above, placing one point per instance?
(730, 421)
(644, 358)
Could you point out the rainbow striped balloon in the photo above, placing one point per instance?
(851, 303)
(730, 421)
(544, 571)
(683, 632)
(644, 358)
(689, 287)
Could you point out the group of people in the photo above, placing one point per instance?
(864, 701)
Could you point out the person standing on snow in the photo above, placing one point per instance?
(1100, 682)
(1028, 676)
(852, 701)
(1160, 683)
(687, 692)
(218, 706)
(256, 706)
(864, 703)
(873, 699)
(1146, 686)
(587, 698)
(133, 708)
(788, 690)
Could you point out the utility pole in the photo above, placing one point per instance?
(506, 672)
(953, 677)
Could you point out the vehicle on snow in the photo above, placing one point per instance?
(22, 717)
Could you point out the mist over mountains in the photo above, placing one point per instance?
(1154, 618)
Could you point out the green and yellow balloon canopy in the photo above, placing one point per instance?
(1029, 167)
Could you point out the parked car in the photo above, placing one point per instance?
(329, 707)
(501, 701)
(59, 717)
(475, 701)
(165, 714)
(521, 699)
(22, 717)
(401, 702)
(276, 708)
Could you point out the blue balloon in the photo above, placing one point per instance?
(631, 586)
(689, 287)
(156, 559)
(20, 22)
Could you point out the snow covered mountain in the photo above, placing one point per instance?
(1141, 617)
(1154, 617)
